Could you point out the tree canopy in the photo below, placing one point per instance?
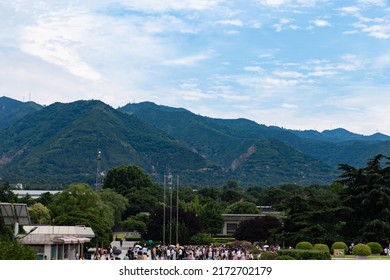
(367, 195)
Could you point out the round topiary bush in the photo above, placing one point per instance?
(361, 250)
(267, 256)
(304, 246)
(321, 247)
(375, 247)
(339, 245)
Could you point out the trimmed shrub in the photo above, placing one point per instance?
(133, 238)
(242, 244)
(201, 239)
(255, 251)
(339, 245)
(280, 258)
(223, 240)
(304, 246)
(305, 254)
(120, 236)
(361, 250)
(375, 247)
(267, 256)
(321, 247)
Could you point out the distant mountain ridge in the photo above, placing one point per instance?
(12, 110)
(339, 135)
(57, 145)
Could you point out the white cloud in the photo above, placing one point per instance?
(231, 32)
(278, 3)
(382, 62)
(288, 74)
(350, 9)
(232, 22)
(350, 32)
(321, 23)
(256, 69)
(171, 5)
(274, 2)
(376, 30)
(320, 73)
(289, 106)
(55, 38)
(256, 24)
(281, 24)
(284, 83)
(187, 60)
(373, 2)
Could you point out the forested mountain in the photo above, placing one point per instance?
(57, 144)
(12, 110)
(332, 148)
(339, 135)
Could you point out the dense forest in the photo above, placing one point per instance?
(354, 208)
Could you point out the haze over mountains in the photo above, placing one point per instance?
(57, 145)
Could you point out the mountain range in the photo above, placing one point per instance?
(52, 146)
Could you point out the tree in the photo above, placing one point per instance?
(124, 179)
(45, 198)
(211, 219)
(315, 216)
(209, 194)
(99, 225)
(132, 224)
(367, 195)
(81, 197)
(39, 214)
(257, 229)
(242, 207)
(189, 224)
(27, 199)
(232, 192)
(134, 184)
(117, 202)
(12, 249)
(7, 195)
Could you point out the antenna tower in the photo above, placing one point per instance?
(99, 170)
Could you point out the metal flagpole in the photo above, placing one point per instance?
(170, 208)
(165, 183)
(177, 210)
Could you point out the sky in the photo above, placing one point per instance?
(297, 64)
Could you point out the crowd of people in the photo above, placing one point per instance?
(187, 252)
(190, 252)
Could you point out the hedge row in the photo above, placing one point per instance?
(223, 240)
(299, 254)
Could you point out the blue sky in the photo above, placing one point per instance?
(299, 64)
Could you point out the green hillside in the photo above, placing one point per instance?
(59, 144)
(12, 110)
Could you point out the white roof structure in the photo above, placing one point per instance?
(33, 193)
(57, 234)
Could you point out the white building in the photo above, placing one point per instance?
(57, 242)
(33, 193)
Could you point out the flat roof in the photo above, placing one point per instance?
(46, 234)
(33, 193)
